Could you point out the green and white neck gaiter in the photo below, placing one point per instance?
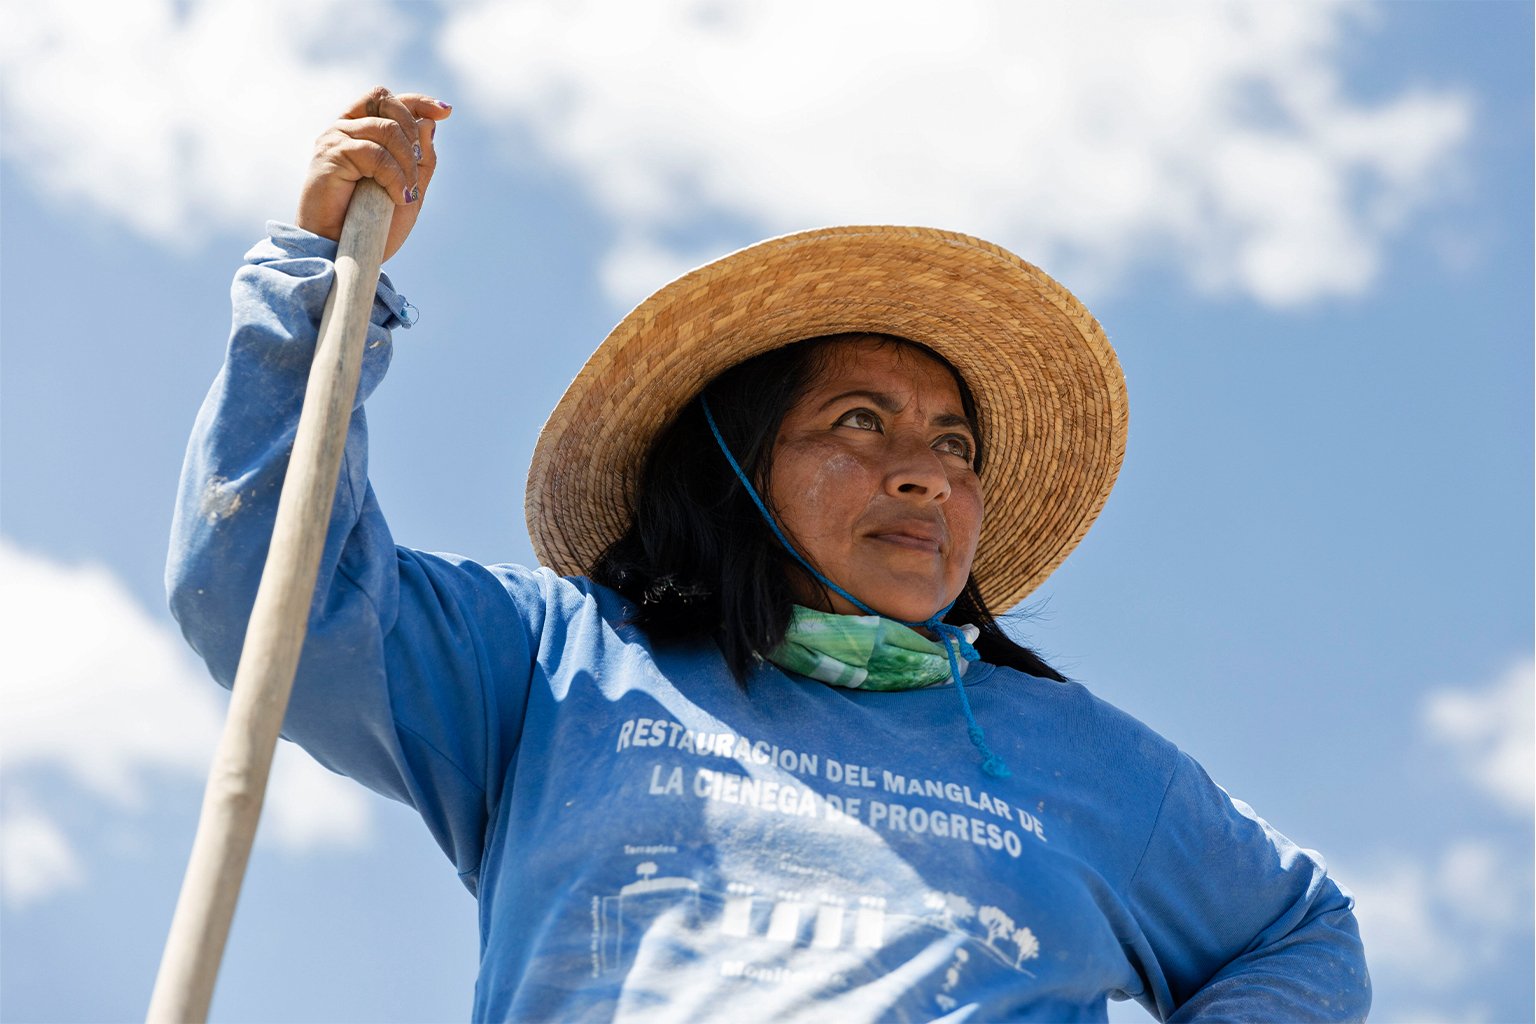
(862, 652)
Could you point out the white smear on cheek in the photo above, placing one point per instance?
(824, 483)
(835, 477)
(220, 500)
(820, 507)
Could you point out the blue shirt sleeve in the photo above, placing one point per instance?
(397, 686)
(1240, 924)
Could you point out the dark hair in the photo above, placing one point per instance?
(698, 556)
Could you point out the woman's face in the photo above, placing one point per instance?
(872, 480)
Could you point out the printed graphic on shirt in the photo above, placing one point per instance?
(759, 923)
(977, 817)
(761, 931)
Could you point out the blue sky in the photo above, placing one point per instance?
(1306, 228)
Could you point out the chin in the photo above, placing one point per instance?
(908, 610)
(914, 599)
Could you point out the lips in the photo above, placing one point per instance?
(918, 535)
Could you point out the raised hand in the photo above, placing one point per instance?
(383, 137)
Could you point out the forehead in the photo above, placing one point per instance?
(881, 364)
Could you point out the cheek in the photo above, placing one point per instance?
(965, 515)
(818, 489)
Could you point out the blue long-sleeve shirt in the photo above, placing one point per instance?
(649, 839)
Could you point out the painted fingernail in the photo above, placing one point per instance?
(412, 194)
(416, 151)
(445, 106)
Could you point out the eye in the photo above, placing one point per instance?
(860, 419)
(956, 444)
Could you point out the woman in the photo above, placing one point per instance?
(751, 745)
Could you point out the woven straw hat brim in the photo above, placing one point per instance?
(1049, 391)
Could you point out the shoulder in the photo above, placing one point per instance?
(563, 608)
(1069, 731)
(534, 588)
(496, 597)
(1072, 707)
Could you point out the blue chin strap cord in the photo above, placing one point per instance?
(953, 639)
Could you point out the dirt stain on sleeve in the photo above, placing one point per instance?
(220, 500)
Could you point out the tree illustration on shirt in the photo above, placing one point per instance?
(1002, 927)
(952, 908)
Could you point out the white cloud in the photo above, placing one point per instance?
(98, 695)
(36, 858)
(1216, 138)
(310, 806)
(1430, 924)
(1435, 922)
(637, 263)
(1492, 731)
(93, 687)
(179, 118)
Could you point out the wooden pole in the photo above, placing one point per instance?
(238, 779)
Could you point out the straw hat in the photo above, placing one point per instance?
(1049, 391)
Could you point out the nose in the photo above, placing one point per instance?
(916, 473)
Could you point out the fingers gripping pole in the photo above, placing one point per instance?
(237, 782)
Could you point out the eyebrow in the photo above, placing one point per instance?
(886, 403)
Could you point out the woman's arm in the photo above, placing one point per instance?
(396, 686)
(1240, 923)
